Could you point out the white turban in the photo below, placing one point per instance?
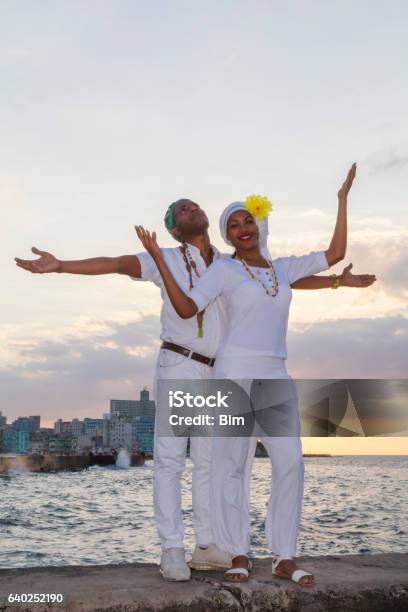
(261, 223)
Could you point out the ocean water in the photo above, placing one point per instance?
(352, 505)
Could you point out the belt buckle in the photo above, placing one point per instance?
(190, 352)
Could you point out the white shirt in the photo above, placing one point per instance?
(257, 322)
(173, 328)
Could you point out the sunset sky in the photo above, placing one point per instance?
(112, 110)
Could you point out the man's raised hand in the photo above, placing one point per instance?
(148, 240)
(45, 263)
(348, 279)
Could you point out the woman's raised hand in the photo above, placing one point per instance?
(148, 240)
(348, 279)
(346, 186)
(45, 263)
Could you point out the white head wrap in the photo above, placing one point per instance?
(263, 227)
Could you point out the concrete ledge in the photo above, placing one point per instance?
(343, 583)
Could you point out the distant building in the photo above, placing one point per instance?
(47, 430)
(29, 424)
(62, 444)
(85, 443)
(15, 441)
(93, 426)
(134, 408)
(38, 442)
(91, 441)
(62, 427)
(3, 420)
(118, 432)
(77, 428)
(143, 433)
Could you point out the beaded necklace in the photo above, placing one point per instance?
(272, 291)
(192, 266)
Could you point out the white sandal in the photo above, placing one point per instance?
(296, 574)
(241, 571)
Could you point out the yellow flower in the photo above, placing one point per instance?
(258, 206)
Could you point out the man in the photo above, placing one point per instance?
(187, 352)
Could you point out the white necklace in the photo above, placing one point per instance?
(272, 291)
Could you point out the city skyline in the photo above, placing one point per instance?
(129, 424)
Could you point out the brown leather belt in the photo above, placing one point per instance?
(188, 353)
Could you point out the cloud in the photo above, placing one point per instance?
(378, 248)
(316, 212)
(351, 348)
(388, 259)
(390, 161)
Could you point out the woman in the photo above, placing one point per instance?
(258, 294)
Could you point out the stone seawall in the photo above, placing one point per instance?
(52, 463)
(363, 583)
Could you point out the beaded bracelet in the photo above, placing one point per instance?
(335, 281)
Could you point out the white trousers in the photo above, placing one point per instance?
(231, 465)
(169, 464)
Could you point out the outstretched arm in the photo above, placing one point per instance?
(347, 279)
(46, 263)
(183, 305)
(337, 249)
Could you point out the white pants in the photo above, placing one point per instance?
(169, 464)
(231, 466)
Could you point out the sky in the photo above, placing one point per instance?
(112, 110)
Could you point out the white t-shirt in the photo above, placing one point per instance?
(257, 322)
(173, 328)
